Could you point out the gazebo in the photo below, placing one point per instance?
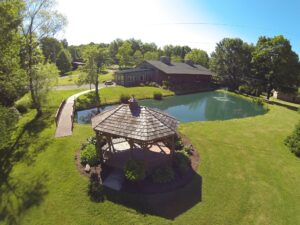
(131, 130)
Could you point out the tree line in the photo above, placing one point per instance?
(31, 57)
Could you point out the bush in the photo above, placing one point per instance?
(258, 101)
(163, 175)
(182, 162)
(124, 98)
(178, 144)
(157, 95)
(89, 155)
(134, 170)
(22, 108)
(95, 189)
(293, 141)
(153, 84)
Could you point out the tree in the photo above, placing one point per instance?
(124, 55)
(96, 59)
(75, 53)
(138, 57)
(231, 61)
(114, 48)
(44, 78)
(276, 64)
(293, 141)
(40, 19)
(63, 61)
(12, 77)
(151, 56)
(50, 48)
(198, 56)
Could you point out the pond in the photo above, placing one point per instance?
(205, 106)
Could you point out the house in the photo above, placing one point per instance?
(174, 73)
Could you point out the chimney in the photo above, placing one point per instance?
(165, 60)
(189, 62)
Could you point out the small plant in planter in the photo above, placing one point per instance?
(163, 175)
(134, 170)
(182, 162)
(157, 95)
(89, 155)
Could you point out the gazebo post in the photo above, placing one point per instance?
(98, 147)
(172, 146)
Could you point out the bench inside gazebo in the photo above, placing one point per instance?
(135, 132)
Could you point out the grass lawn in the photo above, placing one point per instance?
(249, 176)
(111, 95)
(73, 78)
(295, 105)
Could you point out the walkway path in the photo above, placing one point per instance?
(65, 121)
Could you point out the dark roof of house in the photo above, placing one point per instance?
(134, 70)
(139, 123)
(179, 68)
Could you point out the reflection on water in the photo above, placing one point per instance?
(194, 107)
(84, 116)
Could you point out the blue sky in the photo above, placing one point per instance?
(199, 24)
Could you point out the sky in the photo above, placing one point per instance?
(196, 23)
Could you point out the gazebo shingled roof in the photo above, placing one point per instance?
(139, 123)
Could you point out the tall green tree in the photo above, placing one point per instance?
(64, 61)
(137, 57)
(50, 47)
(231, 61)
(44, 78)
(12, 77)
(151, 56)
(124, 55)
(40, 19)
(96, 59)
(198, 56)
(276, 64)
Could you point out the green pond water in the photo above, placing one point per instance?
(206, 106)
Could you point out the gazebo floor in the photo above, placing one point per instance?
(153, 157)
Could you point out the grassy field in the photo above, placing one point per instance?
(111, 95)
(249, 176)
(73, 78)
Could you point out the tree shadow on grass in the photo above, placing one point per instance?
(17, 196)
(168, 205)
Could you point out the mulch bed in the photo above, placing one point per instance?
(80, 167)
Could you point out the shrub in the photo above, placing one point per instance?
(22, 108)
(163, 175)
(165, 84)
(89, 155)
(91, 140)
(178, 144)
(153, 84)
(134, 170)
(182, 162)
(293, 141)
(157, 95)
(95, 189)
(258, 101)
(124, 98)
